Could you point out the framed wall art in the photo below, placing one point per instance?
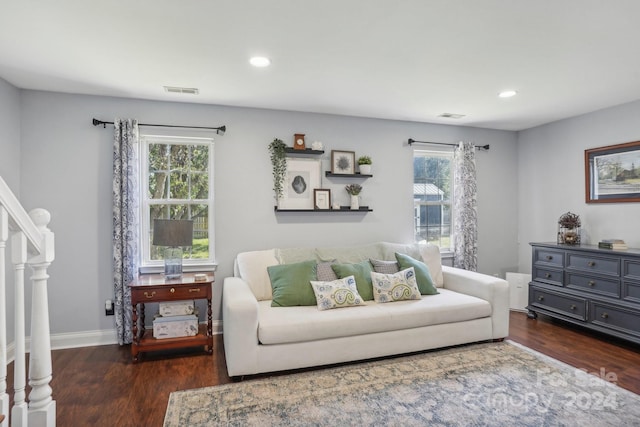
(303, 176)
(612, 173)
(343, 162)
(322, 198)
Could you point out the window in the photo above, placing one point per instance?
(177, 183)
(432, 188)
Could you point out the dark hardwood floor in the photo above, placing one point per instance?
(99, 386)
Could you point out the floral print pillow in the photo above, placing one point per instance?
(395, 287)
(336, 294)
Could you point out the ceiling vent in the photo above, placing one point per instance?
(185, 90)
(451, 116)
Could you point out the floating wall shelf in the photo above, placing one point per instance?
(361, 210)
(346, 175)
(290, 150)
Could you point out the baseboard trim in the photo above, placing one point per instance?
(85, 339)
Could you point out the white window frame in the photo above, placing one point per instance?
(445, 153)
(156, 266)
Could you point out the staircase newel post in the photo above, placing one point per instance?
(42, 407)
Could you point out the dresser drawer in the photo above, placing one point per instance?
(609, 266)
(631, 269)
(547, 275)
(617, 318)
(594, 284)
(548, 257)
(567, 305)
(631, 292)
(167, 293)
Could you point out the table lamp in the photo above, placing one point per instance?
(172, 233)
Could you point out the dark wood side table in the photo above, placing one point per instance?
(156, 288)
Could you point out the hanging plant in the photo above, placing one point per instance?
(279, 163)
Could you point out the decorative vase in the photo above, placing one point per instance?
(365, 169)
(355, 204)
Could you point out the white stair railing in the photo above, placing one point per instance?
(32, 244)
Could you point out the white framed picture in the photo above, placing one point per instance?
(303, 176)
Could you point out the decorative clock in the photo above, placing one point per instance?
(298, 141)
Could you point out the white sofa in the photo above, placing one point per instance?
(258, 338)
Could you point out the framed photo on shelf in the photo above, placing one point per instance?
(303, 175)
(322, 199)
(612, 174)
(343, 162)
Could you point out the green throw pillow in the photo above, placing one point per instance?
(291, 284)
(362, 274)
(425, 282)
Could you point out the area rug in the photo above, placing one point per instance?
(488, 384)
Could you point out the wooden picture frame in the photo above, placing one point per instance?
(343, 162)
(612, 173)
(303, 175)
(322, 199)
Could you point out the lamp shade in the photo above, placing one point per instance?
(172, 232)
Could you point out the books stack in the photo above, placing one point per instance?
(616, 244)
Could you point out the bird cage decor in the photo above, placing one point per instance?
(569, 229)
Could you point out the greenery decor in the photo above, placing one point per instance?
(364, 160)
(279, 163)
(569, 220)
(353, 189)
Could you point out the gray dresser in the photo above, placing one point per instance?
(596, 288)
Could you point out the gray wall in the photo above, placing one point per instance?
(551, 178)
(10, 172)
(66, 168)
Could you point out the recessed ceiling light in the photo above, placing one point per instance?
(260, 61)
(507, 93)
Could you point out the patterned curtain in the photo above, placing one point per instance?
(125, 222)
(465, 207)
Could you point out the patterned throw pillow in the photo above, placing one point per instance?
(325, 273)
(384, 267)
(337, 294)
(395, 287)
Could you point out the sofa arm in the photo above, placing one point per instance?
(489, 288)
(240, 327)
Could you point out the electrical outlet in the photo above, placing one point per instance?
(108, 308)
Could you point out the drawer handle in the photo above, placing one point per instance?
(146, 294)
(591, 263)
(194, 290)
(549, 257)
(172, 290)
(540, 298)
(573, 307)
(547, 276)
(605, 315)
(592, 283)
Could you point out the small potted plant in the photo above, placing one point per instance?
(354, 190)
(364, 165)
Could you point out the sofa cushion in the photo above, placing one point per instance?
(279, 325)
(347, 255)
(423, 277)
(291, 283)
(394, 287)
(430, 254)
(362, 273)
(337, 293)
(252, 268)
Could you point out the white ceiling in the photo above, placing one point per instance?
(394, 59)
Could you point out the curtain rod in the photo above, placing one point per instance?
(219, 130)
(412, 141)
